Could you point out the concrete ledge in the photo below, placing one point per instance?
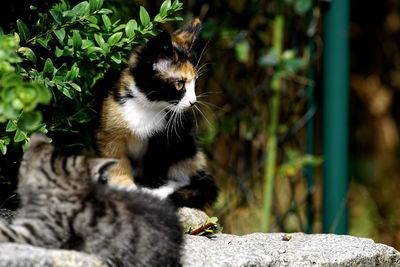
(229, 250)
(301, 250)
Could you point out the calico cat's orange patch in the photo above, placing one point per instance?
(185, 38)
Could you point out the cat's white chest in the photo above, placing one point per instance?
(143, 121)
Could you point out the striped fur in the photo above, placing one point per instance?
(65, 206)
(147, 122)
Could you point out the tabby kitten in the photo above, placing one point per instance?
(63, 205)
(147, 122)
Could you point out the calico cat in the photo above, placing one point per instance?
(63, 205)
(147, 122)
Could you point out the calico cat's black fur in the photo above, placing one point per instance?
(147, 122)
(63, 205)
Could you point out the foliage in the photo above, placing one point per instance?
(17, 95)
(209, 228)
(60, 58)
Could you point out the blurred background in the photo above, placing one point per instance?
(262, 80)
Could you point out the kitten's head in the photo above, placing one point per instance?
(164, 69)
(44, 168)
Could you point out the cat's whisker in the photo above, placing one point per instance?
(181, 120)
(195, 118)
(166, 113)
(209, 106)
(202, 53)
(171, 124)
(209, 93)
(151, 92)
(202, 69)
(203, 66)
(204, 116)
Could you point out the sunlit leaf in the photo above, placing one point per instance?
(113, 39)
(130, 28)
(28, 53)
(144, 16)
(48, 66)
(23, 30)
(19, 136)
(60, 33)
(76, 40)
(165, 7)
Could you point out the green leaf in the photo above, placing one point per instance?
(43, 42)
(105, 48)
(81, 9)
(176, 5)
(58, 52)
(93, 50)
(213, 220)
(144, 16)
(105, 11)
(99, 39)
(19, 136)
(11, 126)
(92, 19)
(86, 44)
(74, 72)
(23, 30)
(116, 58)
(82, 116)
(106, 21)
(56, 16)
(93, 5)
(130, 28)
(60, 33)
(65, 90)
(76, 40)
(29, 121)
(166, 5)
(28, 53)
(94, 26)
(48, 66)
(43, 94)
(119, 28)
(113, 39)
(3, 147)
(75, 86)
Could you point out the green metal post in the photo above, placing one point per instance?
(310, 127)
(335, 116)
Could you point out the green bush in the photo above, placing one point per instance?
(48, 70)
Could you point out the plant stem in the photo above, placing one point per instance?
(272, 143)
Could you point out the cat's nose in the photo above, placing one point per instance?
(192, 103)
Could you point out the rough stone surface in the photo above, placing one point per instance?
(301, 250)
(191, 218)
(230, 250)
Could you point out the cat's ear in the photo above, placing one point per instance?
(161, 43)
(187, 35)
(99, 168)
(38, 138)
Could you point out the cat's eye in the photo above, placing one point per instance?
(179, 85)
